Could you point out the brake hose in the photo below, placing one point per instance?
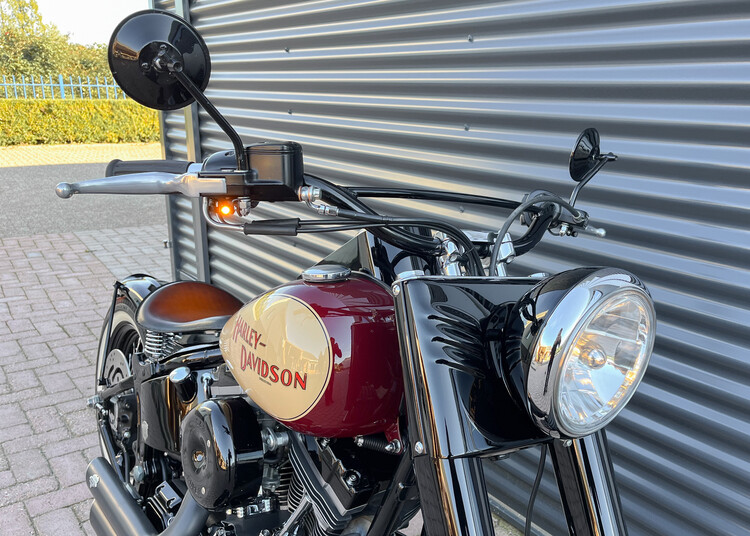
(515, 214)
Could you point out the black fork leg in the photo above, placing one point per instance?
(587, 487)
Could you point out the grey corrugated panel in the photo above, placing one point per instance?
(174, 124)
(394, 93)
(183, 237)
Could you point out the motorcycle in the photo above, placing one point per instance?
(374, 385)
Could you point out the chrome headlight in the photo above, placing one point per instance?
(588, 347)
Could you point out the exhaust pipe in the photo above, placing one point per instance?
(115, 513)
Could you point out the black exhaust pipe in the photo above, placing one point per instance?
(115, 512)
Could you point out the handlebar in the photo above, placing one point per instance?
(118, 167)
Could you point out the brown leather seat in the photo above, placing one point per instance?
(187, 307)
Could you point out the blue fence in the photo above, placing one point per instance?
(59, 87)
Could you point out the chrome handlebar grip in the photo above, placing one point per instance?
(189, 185)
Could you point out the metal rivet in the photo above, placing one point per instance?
(203, 491)
(470, 38)
(461, 209)
(289, 111)
(466, 127)
(418, 447)
(286, 49)
(396, 290)
(567, 442)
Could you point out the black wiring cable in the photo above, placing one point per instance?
(400, 238)
(523, 207)
(535, 489)
(473, 262)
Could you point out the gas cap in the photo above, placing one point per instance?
(326, 273)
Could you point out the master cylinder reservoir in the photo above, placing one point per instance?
(320, 354)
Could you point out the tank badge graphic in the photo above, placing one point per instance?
(249, 359)
(280, 353)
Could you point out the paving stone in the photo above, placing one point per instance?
(22, 380)
(26, 490)
(35, 350)
(69, 469)
(11, 415)
(44, 419)
(36, 441)
(13, 432)
(81, 422)
(50, 400)
(21, 396)
(70, 445)
(15, 520)
(61, 521)
(7, 478)
(54, 383)
(60, 498)
(9, 348)
(28, 465)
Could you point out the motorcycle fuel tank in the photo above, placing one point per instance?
(321, 356)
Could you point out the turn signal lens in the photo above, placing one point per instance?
(225, 209)
(604, 362)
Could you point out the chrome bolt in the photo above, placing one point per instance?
(394, 446)
(138, 473)
(396, 290)
(352, 478)
(418, 447)
(567, 442)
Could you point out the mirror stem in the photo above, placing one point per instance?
(601, 161)
(175, 68)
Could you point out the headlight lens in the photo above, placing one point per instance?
(604, 362)
(588, 337)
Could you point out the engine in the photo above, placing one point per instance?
(258, 475)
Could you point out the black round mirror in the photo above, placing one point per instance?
(135, 48)
(585, 154)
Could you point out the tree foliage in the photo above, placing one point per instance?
(29, 46)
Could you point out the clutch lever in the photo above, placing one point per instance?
(188, 184)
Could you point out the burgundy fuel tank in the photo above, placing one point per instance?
(321, 357)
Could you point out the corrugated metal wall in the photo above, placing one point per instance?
(488, 98)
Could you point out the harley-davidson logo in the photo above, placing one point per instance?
(274, 374)
(280, 353)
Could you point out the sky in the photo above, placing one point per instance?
(88, 21)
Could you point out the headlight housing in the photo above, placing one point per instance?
(587, 345)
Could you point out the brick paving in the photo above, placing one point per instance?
(54, 293)
(77, 153)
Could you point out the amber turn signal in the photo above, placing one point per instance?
(225, 208)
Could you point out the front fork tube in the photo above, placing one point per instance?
(587, 487)
(453, 496)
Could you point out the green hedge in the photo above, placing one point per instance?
(36, 121)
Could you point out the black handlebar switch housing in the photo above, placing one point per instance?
(276, 171)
